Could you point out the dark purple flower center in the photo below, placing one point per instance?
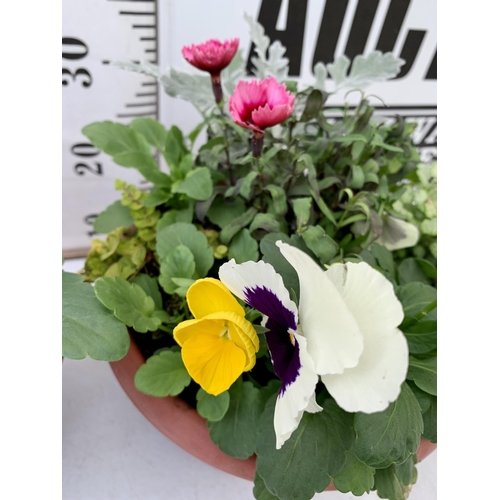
(284, 350)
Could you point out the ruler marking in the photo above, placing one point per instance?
(130, 115)
(133, 13)
(140, 104)
(148, 26)
(144, 94)
(149, 83)
(147, 38)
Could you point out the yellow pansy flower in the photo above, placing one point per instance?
(219, 344)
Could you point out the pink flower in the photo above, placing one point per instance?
(212, 56)
(260, 104)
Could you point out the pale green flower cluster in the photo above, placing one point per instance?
(418, 205)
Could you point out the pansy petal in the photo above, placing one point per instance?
(376, 381)
(213, 362)
(297, 397)
(185, 330)
(246, 327)
(397, 234)
(333, 336)
(208, 295)
(245, 280)
(368, 294)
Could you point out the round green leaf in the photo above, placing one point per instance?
(88, 328)
(390, 436)
(236, 432)
(356, 477)
(424, 373)
(129, 302)
(162, 375)
(243, 247)
(211, 407)
(183, 233)
(197, 184)
(114, 216)
(314, 453)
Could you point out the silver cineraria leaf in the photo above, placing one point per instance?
(320, 75)
(144, 67)
(275, 65)
(197, 89)
(375, 67)
(231, 75)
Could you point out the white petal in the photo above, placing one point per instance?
(368, 294)
(249, 275)
(376, 381)
(298, 397)
(333, 337)
(397, 234)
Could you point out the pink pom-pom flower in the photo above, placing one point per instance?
(212, 56)
(259, 104)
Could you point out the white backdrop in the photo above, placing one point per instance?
(98, 31)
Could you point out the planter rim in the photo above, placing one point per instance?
(182, 424)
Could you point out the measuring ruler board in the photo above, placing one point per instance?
(96, 32)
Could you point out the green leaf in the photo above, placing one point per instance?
(267, 222)
(230, 229)
(153, 131)
(314, 453)
(424, 373)
(415, 297)
(410, 270)
(179, 263)
(162, 375)
(128, 149)
(213, 408)
(243, 248)
(323, 207)
(222, 212)
(150, 287)
(157, 196)
(197, 185)
(421, 336)
(430, 421)
(384, 258)
(314, 104)
(320, 243)
(182, 233)
(236, 432)
(114, 216)
(302, 210)
(271, 254)
(129, 302)
(246, 187)
(355, 477)
(389, 436)
(88, 328)
(356, 177)
(260, 492)
(174, 149)
(279, 199)
(396, 481)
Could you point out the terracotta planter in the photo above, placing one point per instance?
(181, 423)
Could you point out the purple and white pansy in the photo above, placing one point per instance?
(345, 330)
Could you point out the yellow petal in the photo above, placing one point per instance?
(245, 325)
(213, 362)
(190, 327)
(241, 332)
(208, 296)
(242, 341)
